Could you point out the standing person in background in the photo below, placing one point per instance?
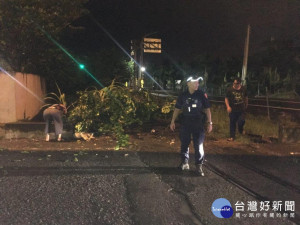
(236, 101)
(196, 114)
(55, 113)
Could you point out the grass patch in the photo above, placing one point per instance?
(286, 95)
(261, 125)
(255, 125)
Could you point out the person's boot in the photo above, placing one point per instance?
(59, 137)
(184, 166)
(47, 137)
(199, 170)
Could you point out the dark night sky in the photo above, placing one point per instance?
(193, 27)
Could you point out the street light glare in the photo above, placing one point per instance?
(143, 69)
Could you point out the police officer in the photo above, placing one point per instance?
(196, 115)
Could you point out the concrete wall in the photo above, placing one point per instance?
(16, 103)
(7, 99)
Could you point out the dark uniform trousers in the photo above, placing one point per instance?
(192, 127)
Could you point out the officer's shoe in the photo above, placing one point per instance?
(199, 170)
(184, 166)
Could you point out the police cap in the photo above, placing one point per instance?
(193, 78)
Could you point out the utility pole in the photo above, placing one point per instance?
(133, 54)
(141, 62)
(245, 61)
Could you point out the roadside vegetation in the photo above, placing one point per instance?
(273, 70)
(256, 125)
(117, 110)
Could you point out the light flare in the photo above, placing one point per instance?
(22, 85)
(118, 44)
(80, 65)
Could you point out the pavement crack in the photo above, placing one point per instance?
(188, 209)
(129, 200)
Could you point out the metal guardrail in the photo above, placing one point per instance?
(263, 106)
(163, 94)
(264, 99)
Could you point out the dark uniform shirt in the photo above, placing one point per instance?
(236, 98)
(192, 105)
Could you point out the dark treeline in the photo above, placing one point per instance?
(36, 36)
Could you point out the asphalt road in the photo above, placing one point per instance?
(116, 187)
